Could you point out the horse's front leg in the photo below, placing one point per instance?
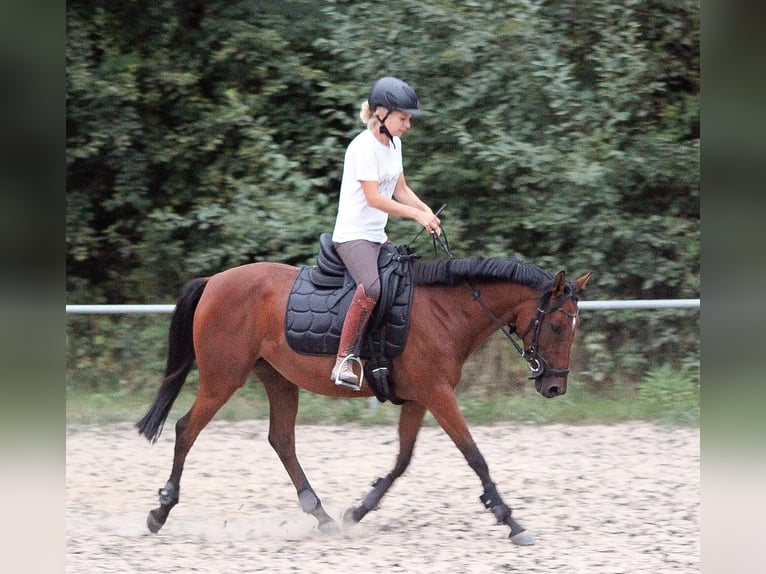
(283, 409)
(410, 421)
(443, 405)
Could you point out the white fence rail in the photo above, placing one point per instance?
(641, 304)
(627, 304)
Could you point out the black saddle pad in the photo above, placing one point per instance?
(320, 297)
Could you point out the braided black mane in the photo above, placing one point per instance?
(454, 271)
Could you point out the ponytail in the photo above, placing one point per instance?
(367, 116)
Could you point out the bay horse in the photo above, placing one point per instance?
(233, 323)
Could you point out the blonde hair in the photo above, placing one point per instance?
(367, 116)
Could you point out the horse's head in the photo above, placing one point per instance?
(549, 334)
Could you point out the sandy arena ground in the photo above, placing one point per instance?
(600, 499)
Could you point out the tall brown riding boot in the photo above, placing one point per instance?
(357, 316)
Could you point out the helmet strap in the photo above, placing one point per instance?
(384, 129)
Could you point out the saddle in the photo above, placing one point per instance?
(321, 295)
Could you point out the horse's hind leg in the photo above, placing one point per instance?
(283, 409)
(410, 421)
(209, 399)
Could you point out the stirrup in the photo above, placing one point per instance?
(341, 383)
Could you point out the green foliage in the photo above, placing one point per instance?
(624, 345)
(206, 134)
(670, 395)
(117, 352)
(180, 147)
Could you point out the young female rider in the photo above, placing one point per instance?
(372, 188)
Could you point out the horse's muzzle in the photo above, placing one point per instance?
(554, 388)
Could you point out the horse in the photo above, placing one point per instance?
(233, 323)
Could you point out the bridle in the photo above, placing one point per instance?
(538, 365)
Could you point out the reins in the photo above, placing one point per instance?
(537, 363)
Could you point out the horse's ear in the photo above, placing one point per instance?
(559, 284)
(580, 282)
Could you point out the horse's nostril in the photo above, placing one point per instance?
(554, 391)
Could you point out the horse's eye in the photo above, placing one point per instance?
(557, 328)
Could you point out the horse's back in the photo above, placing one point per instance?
(251, 279)
(244, 301)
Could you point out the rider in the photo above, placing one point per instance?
(372, 188)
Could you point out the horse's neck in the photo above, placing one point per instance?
(467, 320)
(503, 299)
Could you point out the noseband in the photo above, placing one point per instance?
(538, 365)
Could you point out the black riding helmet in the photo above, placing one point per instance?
(394, 94)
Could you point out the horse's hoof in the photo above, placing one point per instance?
(153, 524)
(523, 538)
(329, 527)
(348, 518)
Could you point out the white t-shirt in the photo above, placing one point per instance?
(366, 160)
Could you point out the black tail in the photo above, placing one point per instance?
(180, 359)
